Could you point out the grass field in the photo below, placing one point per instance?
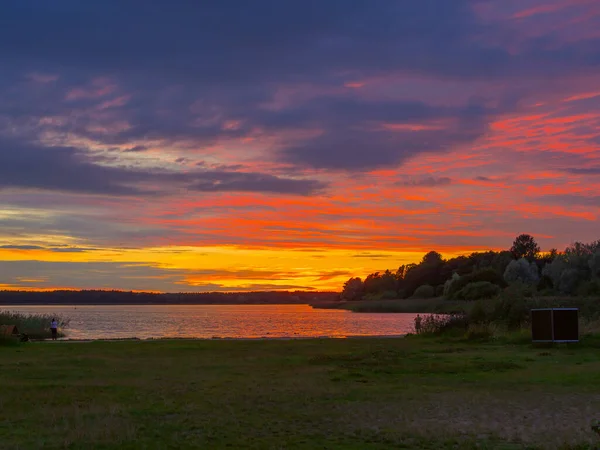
(408, 393)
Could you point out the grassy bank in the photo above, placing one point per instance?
(588, 306)
(37, 326)
(409, 305)
(334, 394)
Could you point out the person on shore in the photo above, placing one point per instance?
(418, 320)
(54, 329)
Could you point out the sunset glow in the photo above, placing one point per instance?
(210, 149)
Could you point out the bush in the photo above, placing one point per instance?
(478, 313)
(439, 290)
(522, 271)
(477, 291)
(589, 288)
(479, 332)
(487, 274)
(425, 291)
(388, 295)
(521, 290)
(511, 309)
(448, 284)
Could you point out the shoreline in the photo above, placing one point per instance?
(262, 338)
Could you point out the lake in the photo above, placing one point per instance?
(220, 321)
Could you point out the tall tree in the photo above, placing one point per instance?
(353, 289)
(525, 246)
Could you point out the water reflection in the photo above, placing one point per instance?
(221, 321)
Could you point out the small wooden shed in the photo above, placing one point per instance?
(9, 331)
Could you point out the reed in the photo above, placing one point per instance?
(37, 326)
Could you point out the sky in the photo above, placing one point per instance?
(229, 145)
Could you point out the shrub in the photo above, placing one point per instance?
(388, 295)
(425, 291)
(487, 274)
(594, 264)
(522, 271)
(478, 290)
(511, 309)
(545, 283)
(589, 288)
(448, 284)
(439, 290)
(521, 290)
(479, 332)
(569, 279)
(478, 314)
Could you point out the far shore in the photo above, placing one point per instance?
(437, 305)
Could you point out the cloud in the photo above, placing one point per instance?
(217, 181)
(21, 247)
(583, 170)
(572, 199)
(34, 166)
(426, 182)
(31, 165)
(233, 40)
(122, 276)
(326, 276)
(372, 256)
(137, 148)
(353, 138)
(63, 249)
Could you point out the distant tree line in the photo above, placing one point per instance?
(575, 271)
(102, 297)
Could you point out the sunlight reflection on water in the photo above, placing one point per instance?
(220, 321)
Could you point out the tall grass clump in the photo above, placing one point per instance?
(37, 326)
(436, 324)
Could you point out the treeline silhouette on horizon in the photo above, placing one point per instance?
(115, 297)
(572, 272)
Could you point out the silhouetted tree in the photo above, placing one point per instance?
(525, 246)
(353, 289)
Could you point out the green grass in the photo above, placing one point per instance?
(37, 326)
(412, 393)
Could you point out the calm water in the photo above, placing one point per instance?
(222, 321)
